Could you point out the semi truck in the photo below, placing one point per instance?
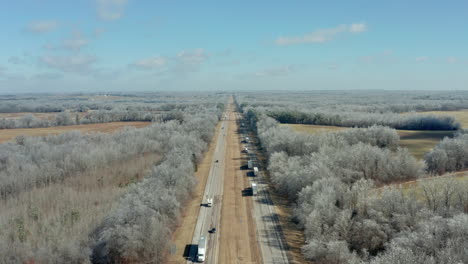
(250, 164)
(254, 189)
(209, 202)
(255, 169)
(201, 254)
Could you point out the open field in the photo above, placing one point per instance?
(417, 142)
(9, 134)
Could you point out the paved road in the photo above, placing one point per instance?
(209, 217)
(266, 219)
(264, 213)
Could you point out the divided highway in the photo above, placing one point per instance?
(258, 240)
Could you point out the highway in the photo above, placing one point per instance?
(209, 217)
(268, 227)
(242, 234)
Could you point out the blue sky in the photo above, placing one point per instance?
(161, 45)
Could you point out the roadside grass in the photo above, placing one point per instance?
(9, 134)
(417, 142)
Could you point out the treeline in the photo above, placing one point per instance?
(451, 154)
(139, 227)
(67, 119)
(332, 177)
(363, 119)
(366, 101)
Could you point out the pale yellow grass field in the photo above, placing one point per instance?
(9, 134)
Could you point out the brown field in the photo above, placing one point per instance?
(417, 142)
(9, 134)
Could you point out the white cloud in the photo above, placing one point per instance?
(322, 35)
(422, 59)
(75, 42)
(110, 9)
(357, 28)
(452, 60)
(273, 72)
(151, 63)
(196, 56)
(42, 26)
(76, 63)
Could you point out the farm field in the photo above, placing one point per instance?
(417, 142)
(9, 134)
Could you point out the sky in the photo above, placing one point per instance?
(172, 45)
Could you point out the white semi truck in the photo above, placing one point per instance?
(209, 202)
(201, 254)
(255, 169)
(254, 189)
(250, 164)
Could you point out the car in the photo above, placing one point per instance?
(212, 230)
(216, 161)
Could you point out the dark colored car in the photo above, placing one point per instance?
(212, 230)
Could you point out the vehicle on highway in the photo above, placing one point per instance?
(255, 171)
(212, 230)
(245, 150)
(246, 139)
(250, 164)
(201, 254)
(216, 161)
(254, 189)
(209, 202)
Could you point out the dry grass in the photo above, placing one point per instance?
(66, 212)
(417, 142)
(9, 134)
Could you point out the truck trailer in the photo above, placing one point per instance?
(254, 189)
(255, 169)
(201, 254)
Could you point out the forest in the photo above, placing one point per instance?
(102, 198)
(344, 185)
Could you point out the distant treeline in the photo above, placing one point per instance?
(362, 119)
